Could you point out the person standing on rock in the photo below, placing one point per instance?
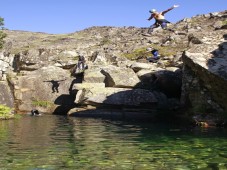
(159, 18)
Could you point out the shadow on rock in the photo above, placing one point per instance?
(66, 102)
(167, 82)
(55, 85)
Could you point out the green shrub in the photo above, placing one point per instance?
(5, 112)
(224, 22)
(140, 52)
(105, 41)
(2, 34)
(163, 51)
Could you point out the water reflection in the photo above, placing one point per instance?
(58, 142)
(34, 141)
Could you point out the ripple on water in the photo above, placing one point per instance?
(58, 142)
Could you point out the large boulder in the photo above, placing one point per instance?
(84, 85)
(205, 76)
(6, 95)
(115, 96)
(120, 77)
(136, 66)
(43, 89)
(33, 59)
(93, 76)
(6, 63)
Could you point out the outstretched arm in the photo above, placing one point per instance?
(151, 17)
(174, 6)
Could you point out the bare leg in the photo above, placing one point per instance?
(150, 30)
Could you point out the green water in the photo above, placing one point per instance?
(56, 142)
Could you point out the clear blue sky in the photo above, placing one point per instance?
(67, 16)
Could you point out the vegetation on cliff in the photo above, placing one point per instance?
(2, 34)
(5, 112)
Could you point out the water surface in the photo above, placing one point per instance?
(53, 142)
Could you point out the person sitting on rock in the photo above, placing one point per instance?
(155, 54)
(81, 62)
(159, 19)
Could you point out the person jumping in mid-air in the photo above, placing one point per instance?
(159, 18)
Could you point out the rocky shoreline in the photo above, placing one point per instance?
(191, 72)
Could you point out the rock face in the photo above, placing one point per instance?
(205, 78)
(205, 71)
(42, 89)
(6, 95)
(120, 77)
(117, 96)
(40, 67)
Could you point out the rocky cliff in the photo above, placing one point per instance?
(205, 73)
(40, 68)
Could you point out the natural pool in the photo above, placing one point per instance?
(53, 142)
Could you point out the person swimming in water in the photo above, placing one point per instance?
(35, 112)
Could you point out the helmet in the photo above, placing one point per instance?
(149, 49)
(152, 11)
